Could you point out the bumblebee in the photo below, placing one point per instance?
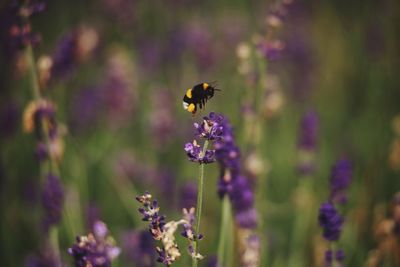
(198, 95)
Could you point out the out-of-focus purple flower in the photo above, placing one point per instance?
(308, 134)
(194, 153)
(340, 180)
(97, 249)
(308, 131)
(298, 59)
(138, 248)
(92, 215)
(212, 261)
(162, 124)
(64, 56)
(231, 182)
(118, 89)
(166, 179)
(328, 257)
(188, 195)
(197, 40)
(73, 48)
(211, 128)
(340, 255)
(121, 11)
(85, 108)
(9, 119)
(41, 152)
(270, 49)
(46, 259)
(242, 198)
(226, 151)
(20, 31)
(52, 200)
(150, 52)
(331, 221)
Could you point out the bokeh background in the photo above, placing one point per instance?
(120, 70)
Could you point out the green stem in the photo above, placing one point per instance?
(332, 248)
(225, 233)
(301, 224)
(199, 202)
(51, 164)
(53, 240)
(33, 73)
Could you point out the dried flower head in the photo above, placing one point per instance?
(35, 112)
(165, 232)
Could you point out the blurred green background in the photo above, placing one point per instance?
(119, 102)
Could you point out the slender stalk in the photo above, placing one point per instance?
(199, 202)
(332, 248)
(301, 224)
(51, 165)
(33, 73)
(225, 233)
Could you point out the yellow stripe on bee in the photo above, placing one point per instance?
(191, 107)
(189, 93)
(205, 86)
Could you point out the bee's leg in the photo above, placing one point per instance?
(201, 104)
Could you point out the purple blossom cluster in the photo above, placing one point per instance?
(20, 30)
(340, 180)
(138, 247)
(330, 256)
(269, 46)
(210, 129)
(64, 56)
(97, 249)
(167, 254)
(165, 231)
(195, 153)
(307, 143)
(329, 217)
(331, 221)
(73, 47)
(189, 232)
(52, 201)
(150, 214)
(308, 131)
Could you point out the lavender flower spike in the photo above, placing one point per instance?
(52, 201)
(331, 221)
(340, 180)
